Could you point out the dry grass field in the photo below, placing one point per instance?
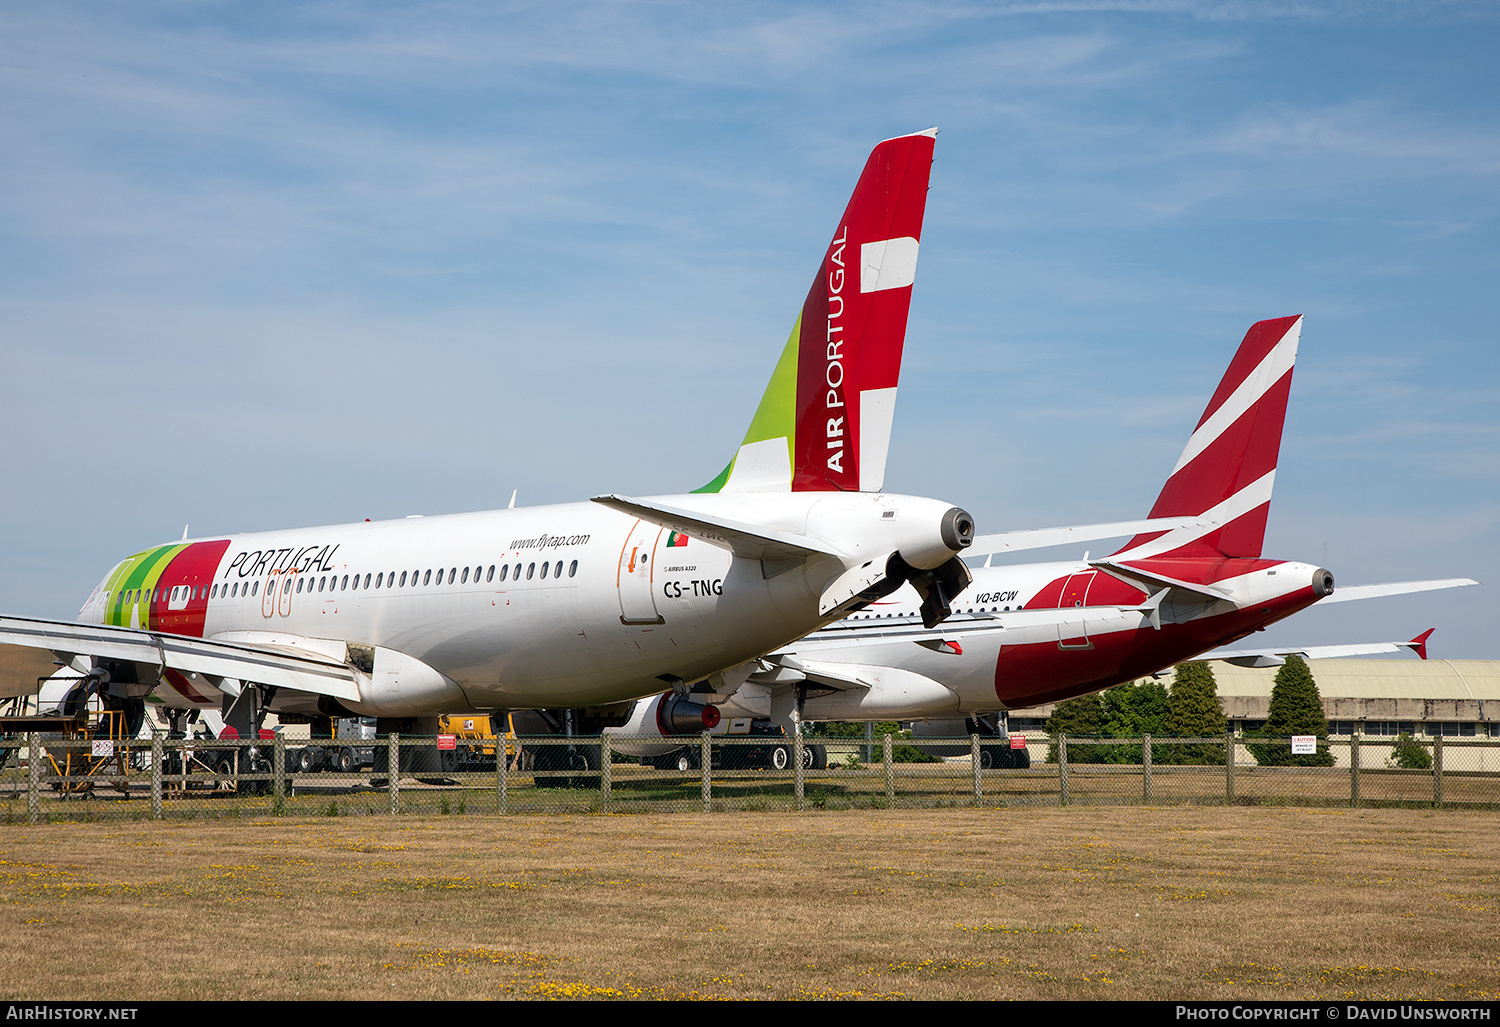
(1078, 903)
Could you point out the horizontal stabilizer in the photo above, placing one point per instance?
(1349, 593)
(189, 655)
(750, 541)
(1276, 657)
(1152, 582)
(1041, 538)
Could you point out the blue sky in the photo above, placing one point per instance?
(273, 265)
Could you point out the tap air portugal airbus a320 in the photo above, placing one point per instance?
(1037, 633)
(565, 606)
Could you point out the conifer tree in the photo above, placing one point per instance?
(1194, 711)
(1296, 709)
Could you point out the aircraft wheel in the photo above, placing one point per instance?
(781, 758)
(684, 762)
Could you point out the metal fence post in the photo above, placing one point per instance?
(797, 757)
(393, 782)
(34, 778)
(1354, 768)
(706, 757)
(502, 769)
(606, 774)
(1062, 769)
(278, 774)
(890, 770)
(1437, 769)
(978, 781)
(1229, 765)
(156, 761)
(1147, 793)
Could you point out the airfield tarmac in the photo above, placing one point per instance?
(1076, 903)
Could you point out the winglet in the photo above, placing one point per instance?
(824, 422)
(1418, 645)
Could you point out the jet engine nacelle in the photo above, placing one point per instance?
(925, 533)
(660, 717)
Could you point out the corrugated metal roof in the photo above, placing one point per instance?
(1411, 679)
(1375, 679)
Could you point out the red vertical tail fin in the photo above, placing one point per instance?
(824, 423)
(1226, 472)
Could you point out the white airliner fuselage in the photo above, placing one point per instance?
(568, 605)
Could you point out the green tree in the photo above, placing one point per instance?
(1124, 711)
(1129, 711)
(1082, 717)
(1410, 754)
(1296, 709)
(1193, 711)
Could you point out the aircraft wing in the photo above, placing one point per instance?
(1349, 593)
(211, 658)
(1041, 538)
(1276, 657)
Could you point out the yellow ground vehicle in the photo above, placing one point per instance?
(477, 742)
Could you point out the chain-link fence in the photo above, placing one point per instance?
(44, 777)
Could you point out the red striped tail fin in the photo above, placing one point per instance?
(824, 422)
(1226, 472)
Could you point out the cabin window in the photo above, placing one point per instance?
(573, 568)
(427, 578)
(544, 568)
(465, 579)
(504, 568)
(491, 575)
(557, 571)
(530, 570)
(452, 574)
(403, 579)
